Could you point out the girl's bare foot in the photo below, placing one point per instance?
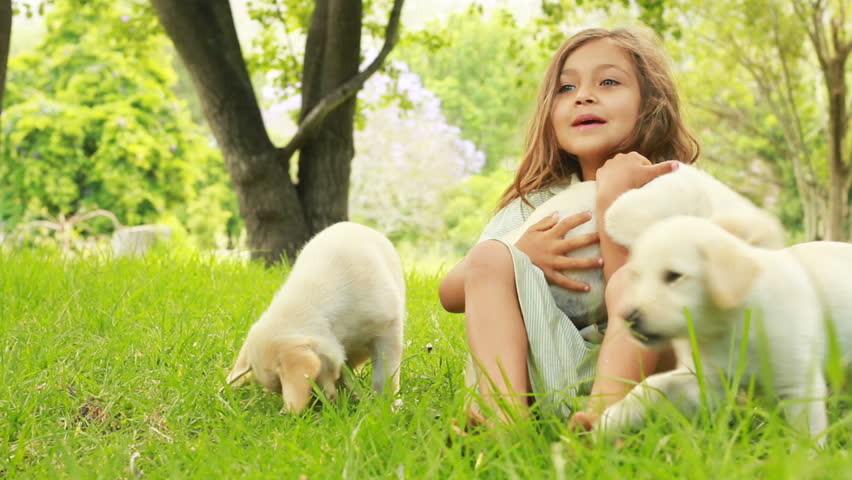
(584, 419)
(474, 419)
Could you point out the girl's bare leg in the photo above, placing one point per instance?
(495, 330)
(622, 361)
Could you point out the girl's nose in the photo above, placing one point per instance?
(583, 98)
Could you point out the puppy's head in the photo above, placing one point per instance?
(288, 364)
(685, 263)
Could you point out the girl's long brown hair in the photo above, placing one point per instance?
(660, 133)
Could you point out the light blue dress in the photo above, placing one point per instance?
(560, 362)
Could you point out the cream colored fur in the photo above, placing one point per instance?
(686, 191)
(578, 197)
(693, 192)
(342, 303)
(793, 295)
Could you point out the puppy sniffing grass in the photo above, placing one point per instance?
(343, 303)
(800, 298)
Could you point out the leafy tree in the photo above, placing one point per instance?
(281, 215)
(772, 106)
(5, 37)
(486, 69)
(469, 205)
(8, 8)
(96, 125)
(407, 155)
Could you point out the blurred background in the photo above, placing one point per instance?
(115, 114)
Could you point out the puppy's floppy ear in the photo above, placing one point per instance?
(729, 270)
(241, 367)
(757, 228)
(298, 366)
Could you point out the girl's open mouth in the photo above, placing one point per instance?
(587, 120)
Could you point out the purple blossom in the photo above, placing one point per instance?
(125, 18)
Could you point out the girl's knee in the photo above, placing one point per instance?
(489, 259)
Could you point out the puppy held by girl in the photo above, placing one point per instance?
(686, 191)
(342, 304)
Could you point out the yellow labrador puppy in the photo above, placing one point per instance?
(342, 303)
(796, 295)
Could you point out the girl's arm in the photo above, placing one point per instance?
(621, 360)
(451, 289)
(621, 173)
(546, 247)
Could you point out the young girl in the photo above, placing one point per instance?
(607, 111)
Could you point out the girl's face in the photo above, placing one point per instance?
(597, 103)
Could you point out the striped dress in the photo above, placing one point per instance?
(560, 362)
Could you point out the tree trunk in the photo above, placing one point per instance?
(5, 39)
(829, 39)
(280, 216)
(205, 37)
(332, 55)
(838, 170)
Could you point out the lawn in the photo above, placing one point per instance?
(115, 369)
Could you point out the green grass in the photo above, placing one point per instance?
(106, 361)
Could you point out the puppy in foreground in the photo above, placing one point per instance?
(685, 191)
(800, 300)
(342, 303)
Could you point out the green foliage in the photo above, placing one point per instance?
(95, 124)
(470, 205)
(115, 369)
(486, 70)
(278, 49)
(747, 122)
(29, 8)
(557, 16)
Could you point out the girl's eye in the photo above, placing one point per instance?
(609, 82)
(566, 88)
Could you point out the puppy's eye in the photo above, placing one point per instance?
(671, 276)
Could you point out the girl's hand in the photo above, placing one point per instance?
(627, 171)
(546, 247)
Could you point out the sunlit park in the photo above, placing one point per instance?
(164, 162)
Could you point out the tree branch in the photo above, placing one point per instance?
(314, 118)
(786, 78)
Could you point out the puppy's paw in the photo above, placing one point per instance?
(608, 427)
(619, 418)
